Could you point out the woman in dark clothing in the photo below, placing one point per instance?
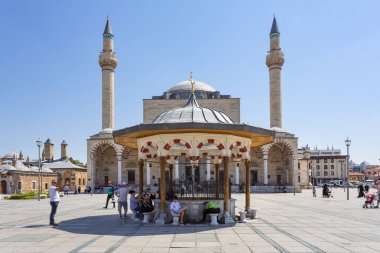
(361, 191)
(325, 191)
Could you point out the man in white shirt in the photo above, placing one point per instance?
(54, 201)
(122, 194)
(175, 207)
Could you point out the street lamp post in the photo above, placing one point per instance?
(39, 143)
(348, 143)
(341, 174)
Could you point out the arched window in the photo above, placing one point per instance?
(318, 167)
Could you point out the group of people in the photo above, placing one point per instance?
(77, 189)
(138, 204)
(371, 194)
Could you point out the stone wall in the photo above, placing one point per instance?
(27, 180)
(153, 107)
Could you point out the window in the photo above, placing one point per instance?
(299, 179)
(79, 180)
(317, 160)
(83, 182)
(46, 186)
(19, 185)
(332, 167)
(33, 185)
(332, 160)
(325, 160)
(325, 167)
(318, 167)
(325, 173)
(299, 166)
(318, 174)
(332, 173)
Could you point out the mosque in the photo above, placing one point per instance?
(194, 132)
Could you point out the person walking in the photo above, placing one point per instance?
(75, 189)
(54, 201)
(79, 189)
(361, 191)
(110, 194)
(66, 190)
(122, 194)
(314, 191)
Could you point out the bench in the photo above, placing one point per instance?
(134, 216)
(214, 219)
(146, 217)
(175, 219)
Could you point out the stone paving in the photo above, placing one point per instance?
(286, 223)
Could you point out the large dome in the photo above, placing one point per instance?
(186, 86)
(192, 112)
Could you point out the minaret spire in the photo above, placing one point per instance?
(108, 63)
(107, 29)
(274, 60)
(274, 28)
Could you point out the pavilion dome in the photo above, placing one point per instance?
(192, 112)
(187, 86)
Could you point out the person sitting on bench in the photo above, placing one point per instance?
(212, 207)
(175, 208)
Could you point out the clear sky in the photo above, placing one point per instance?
(50, 83)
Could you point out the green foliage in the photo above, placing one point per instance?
(78, 162)
(29, 195)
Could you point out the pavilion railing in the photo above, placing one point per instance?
(189, 189)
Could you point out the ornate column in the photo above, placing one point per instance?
(170, 177)
(118, 168)
(92, 164)
(237, 173)
(161, 219)
(141, 176)
(227, 216)
(176, 170)
(208, 165)
(265, 156)
(147, 173)
(217, 179)
(295, 172)
(247, 185)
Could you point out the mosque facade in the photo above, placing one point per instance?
(272, 163)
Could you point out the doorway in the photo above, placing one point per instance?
(106, 180)
(131, 177)
(253, 177)
(3, 187)
(279, 179)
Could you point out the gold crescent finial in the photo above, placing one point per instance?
(192, 83)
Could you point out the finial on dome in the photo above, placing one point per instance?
(192, 83)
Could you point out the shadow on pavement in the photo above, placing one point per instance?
(113, 225)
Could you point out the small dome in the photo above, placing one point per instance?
(192, 112)
(186, 86)
(10, 155)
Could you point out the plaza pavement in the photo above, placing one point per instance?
(285, 223)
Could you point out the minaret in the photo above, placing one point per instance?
(108, 63)
(63, 149)
(275, 60)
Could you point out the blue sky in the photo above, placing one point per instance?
(50, 82)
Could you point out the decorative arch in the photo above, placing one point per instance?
(239, 150)
(148, 150)
(280, 144)
(103, 145)
(210, 144)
